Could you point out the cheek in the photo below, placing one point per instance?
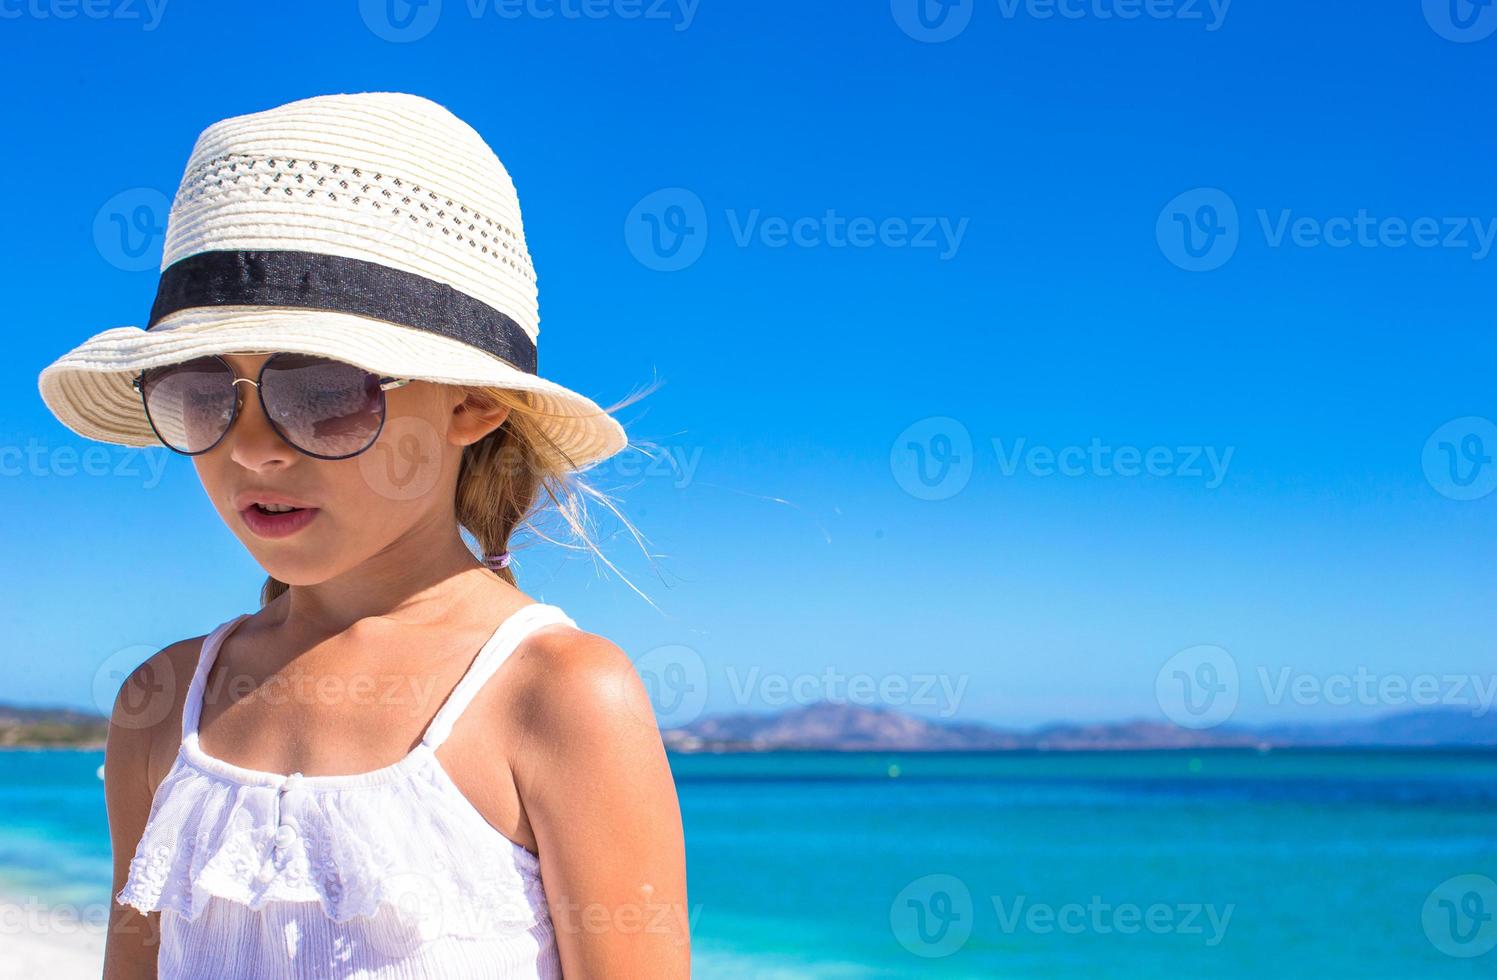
(404, 469)
(214, 484)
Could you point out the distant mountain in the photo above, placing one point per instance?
(51, 727)
(1445, 727)
(837, 726)
(829, 725)
(846, 727)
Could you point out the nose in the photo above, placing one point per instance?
(253, 442)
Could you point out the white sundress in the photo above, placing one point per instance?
(385, 874)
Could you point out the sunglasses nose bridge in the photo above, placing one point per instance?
(234, 386)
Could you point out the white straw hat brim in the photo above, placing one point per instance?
(89, 391)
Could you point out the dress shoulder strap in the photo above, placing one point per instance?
(506, 638)
(192, 704)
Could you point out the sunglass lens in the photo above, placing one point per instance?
(190, 404)
(321, 406)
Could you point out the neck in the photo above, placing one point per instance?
(406, 584)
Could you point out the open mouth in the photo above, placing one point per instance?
(277, 520)
(271, 510)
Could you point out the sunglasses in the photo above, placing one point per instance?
(321, 407)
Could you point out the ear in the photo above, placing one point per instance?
(471, 421)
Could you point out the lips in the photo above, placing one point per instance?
(268, 524)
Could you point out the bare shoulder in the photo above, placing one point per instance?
(601, 804)
(574, 691)
(590, 766)
(145, 724)
(144, 731)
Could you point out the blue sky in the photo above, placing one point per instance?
(1020, 192)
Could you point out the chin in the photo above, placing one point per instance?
(313, 571)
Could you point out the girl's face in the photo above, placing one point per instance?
(395, 498)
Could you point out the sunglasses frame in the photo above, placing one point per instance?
(385, 384)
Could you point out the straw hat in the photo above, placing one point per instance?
(375, 228)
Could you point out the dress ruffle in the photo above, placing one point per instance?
(414, 847)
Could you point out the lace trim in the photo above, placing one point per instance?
(440, 869)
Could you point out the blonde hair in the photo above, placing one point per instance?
(507, 479)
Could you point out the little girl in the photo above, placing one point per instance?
(400, 765)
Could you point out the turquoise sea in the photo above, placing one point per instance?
(1222, 864)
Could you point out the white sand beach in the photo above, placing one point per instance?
(40, 942)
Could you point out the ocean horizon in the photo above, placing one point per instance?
(1222, 862)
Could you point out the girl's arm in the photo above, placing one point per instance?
(598, 793)
(140, 711)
